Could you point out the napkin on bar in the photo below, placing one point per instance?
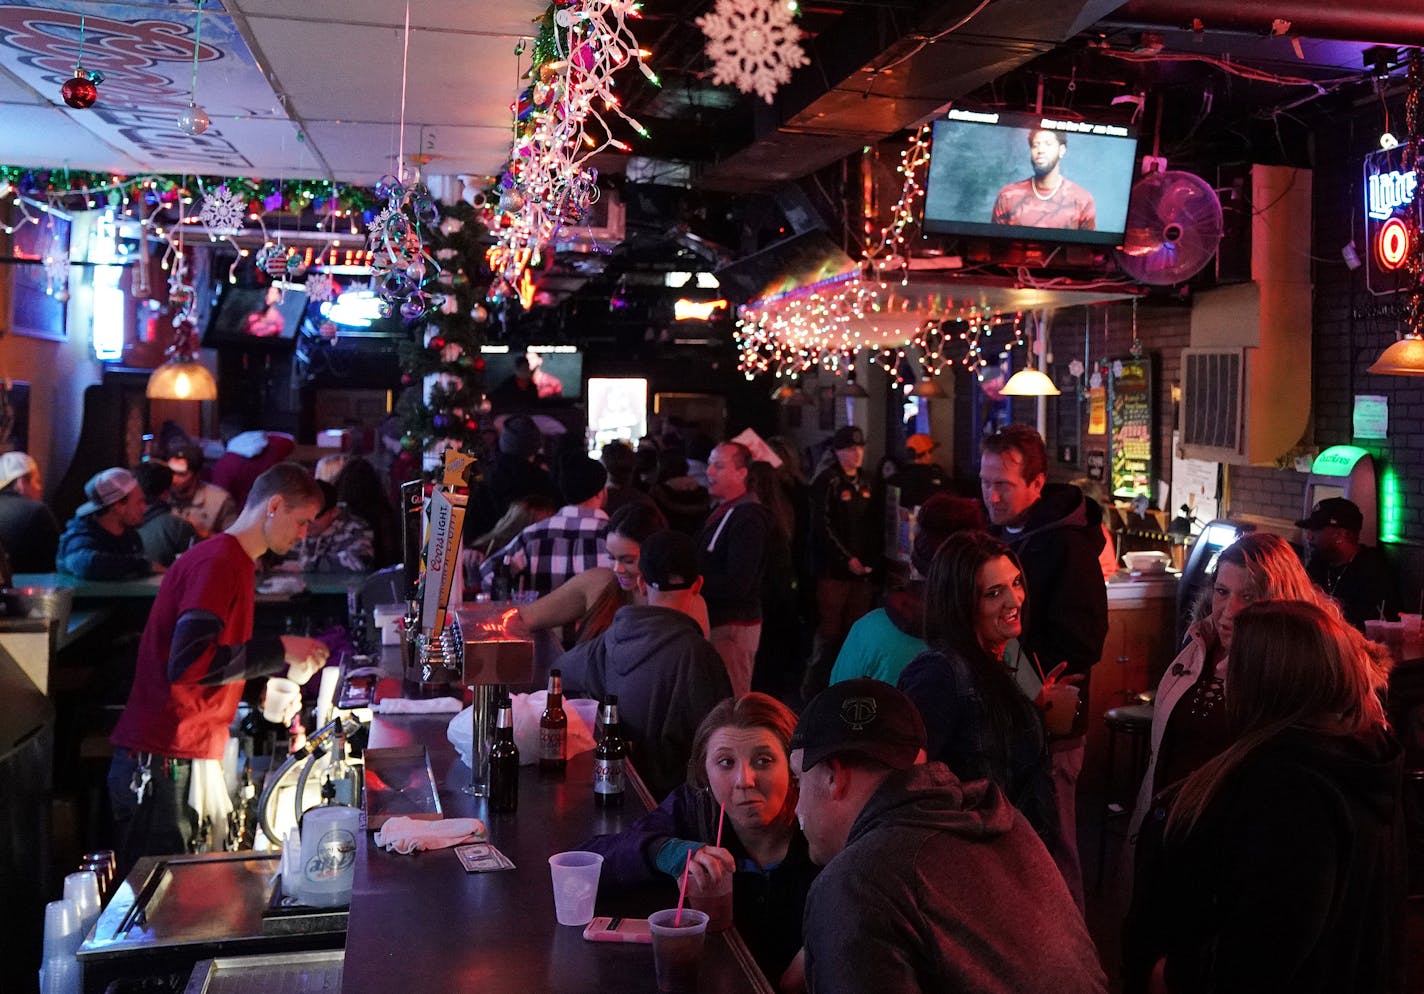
(406, 835)
(437, 705)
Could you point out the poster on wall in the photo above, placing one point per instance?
(1130, 432)
(1097, 410)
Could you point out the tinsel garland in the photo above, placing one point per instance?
(74, 188)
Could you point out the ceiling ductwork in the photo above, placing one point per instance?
(870, 77)
(1388, 22)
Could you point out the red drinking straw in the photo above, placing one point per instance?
(682, 891)
(722, 814)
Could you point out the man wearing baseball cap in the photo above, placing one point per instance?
(920, 477)
(930, 883)
(666, 674)
(28, 529)
(1355, 575)
(101, 541)
(847, 544)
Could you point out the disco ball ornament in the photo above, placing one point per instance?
(193, 120)
(79, 90)
(61, 295)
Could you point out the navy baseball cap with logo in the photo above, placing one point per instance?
(1333, 511)
(860, 717)
(847, 437)
(667, 560)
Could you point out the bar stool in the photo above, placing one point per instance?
(1134, 723)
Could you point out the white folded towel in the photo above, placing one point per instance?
(436, 705)
(406, 835)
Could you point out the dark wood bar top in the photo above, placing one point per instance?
(421, 923)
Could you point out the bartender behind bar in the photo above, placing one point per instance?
(166, 784)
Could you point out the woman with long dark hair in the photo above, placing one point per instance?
(1280, 865)
(973, 688)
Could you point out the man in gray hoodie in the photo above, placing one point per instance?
(930, 883)
(654, 657)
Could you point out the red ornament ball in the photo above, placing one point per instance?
(479, 365)
(438, 342)
(471, 424)
(407, 379)
(79, 91)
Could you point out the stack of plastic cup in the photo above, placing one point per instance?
(83, 889)
(59, 973)
(102, 863)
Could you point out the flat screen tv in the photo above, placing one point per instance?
(1029, 177)
(251, 315)
(558, 369)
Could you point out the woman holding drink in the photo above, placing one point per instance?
(732, 830)
(974, 688)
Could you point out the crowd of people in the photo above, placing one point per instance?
(879, 784)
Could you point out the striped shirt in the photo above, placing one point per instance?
(551, 551)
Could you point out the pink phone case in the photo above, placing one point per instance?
(618, 930)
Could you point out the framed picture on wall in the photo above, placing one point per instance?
(37, 299)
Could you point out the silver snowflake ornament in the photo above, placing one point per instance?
(320, 288)
(753, 44)
(56, 267)
(222, 212)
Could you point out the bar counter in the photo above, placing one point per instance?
(421, 923)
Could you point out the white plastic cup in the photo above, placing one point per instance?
(1375, 630)
(1412, 626)
(1062, 708)
(83, 889)
(61, 929)
(60, 975)
(281, 694)
(575, 875)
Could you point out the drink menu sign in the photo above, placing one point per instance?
(1130, 432)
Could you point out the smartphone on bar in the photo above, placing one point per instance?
(618, 930)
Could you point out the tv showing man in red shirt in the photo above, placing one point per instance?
(1047, 199)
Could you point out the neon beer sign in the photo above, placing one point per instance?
(1389, 192)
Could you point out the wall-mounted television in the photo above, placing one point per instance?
(357, 312)
(558, 369)
(1030, 177)
(251, 315)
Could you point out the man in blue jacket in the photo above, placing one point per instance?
(101, 541)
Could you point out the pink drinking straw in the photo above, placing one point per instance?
(720, 816)
(682, 890)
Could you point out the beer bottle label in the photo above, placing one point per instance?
(552, 742)
(608, 776)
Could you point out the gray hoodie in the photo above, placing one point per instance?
(667, 677)
(943, 886)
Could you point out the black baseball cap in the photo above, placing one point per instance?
(1335, 511)
(847, 436)
(860, 717)
(668, 560)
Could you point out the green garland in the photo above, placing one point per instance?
(297, 194)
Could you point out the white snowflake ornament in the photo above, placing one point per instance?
(320, 287)
(753, 44)
(222, 212)
(56, 267)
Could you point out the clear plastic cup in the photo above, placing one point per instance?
(60, 975)
(83, 889)
(61, 929)
(281, 694)
(1412, 626)
(1062, 701)
(575, 876)
(677, 948)
(717, 902)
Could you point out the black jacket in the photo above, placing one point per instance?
(733, 550)
(91, 553)
(1293, 879)
(846, 521)
(28, 532)
(1067, 615)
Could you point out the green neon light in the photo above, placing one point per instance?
(1391, 500)
(1337, 460)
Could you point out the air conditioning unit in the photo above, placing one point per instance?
(1211, 418)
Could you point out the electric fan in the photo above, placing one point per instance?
(1173, 228)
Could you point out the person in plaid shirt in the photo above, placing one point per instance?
(336, 540)
(551, 551)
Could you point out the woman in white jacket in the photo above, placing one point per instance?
(1188, 718)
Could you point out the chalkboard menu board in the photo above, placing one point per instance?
(1130, 411)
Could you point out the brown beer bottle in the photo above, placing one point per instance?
(608, 757)
(504, 761)
(554, 730)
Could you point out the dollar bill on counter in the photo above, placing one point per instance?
(481, 857)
